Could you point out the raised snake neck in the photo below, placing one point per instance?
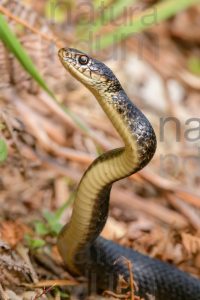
(78, 243)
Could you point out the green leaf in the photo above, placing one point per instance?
(106, 3)
(60, 293)
(3, 150)
(146, 19)
(49, 216)
(53, 225)
(57, 11)
(56, 228)
(34, 243)
(41, 228)
(12, 43)
(111, 13)
(2, 126)
(194, 65)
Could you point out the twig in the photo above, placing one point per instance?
(189, 79)
(114, 295)
(130, 267)
(44, 292)
(34, 123)
(7, 120)
(168, 186)
(186, 210)
(189, 198)
(50, 283)
(3, 295)
(61, 113)
(47, 37)
(24, 254)
(133, 202)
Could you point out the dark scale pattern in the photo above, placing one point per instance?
(138, 125)
(101, 260)
(152, 276)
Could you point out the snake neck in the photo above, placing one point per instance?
(92, 199)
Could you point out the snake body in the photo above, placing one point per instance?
(81, 247)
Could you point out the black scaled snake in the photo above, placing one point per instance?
(79, 244)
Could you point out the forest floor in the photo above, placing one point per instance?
(156, 211)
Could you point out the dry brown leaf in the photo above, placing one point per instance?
(13, 232)
(190, 243)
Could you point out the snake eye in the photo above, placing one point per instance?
(83, 59)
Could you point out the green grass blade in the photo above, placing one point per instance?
(141, 21)
(13, 44)
(111, 13)
(3, 150)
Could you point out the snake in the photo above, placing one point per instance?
(80, 245)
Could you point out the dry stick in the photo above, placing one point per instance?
(133, 202)
(33, 120)
(23, 252)
(130, 268)
(189, 79)
(50, 103)
(3, 295)
(7, 13)
(44, 292)
(8, 122)
(85, 158)
(189, 198)
(186, 210)
(61, 169)
(82, 157)
(157, 181)
(35, 124)
(59, 44)
(130, 294)
(157, 211)
(114, 295)
(50, 283)
(185, 193)
(147, 175)
(54, 129)
(55, 108)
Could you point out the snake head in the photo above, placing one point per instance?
(91, 72)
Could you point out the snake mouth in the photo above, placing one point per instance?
(61, 51)
(66, 57)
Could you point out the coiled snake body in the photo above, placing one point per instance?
(79, 244)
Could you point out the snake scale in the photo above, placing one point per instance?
(82, 249)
